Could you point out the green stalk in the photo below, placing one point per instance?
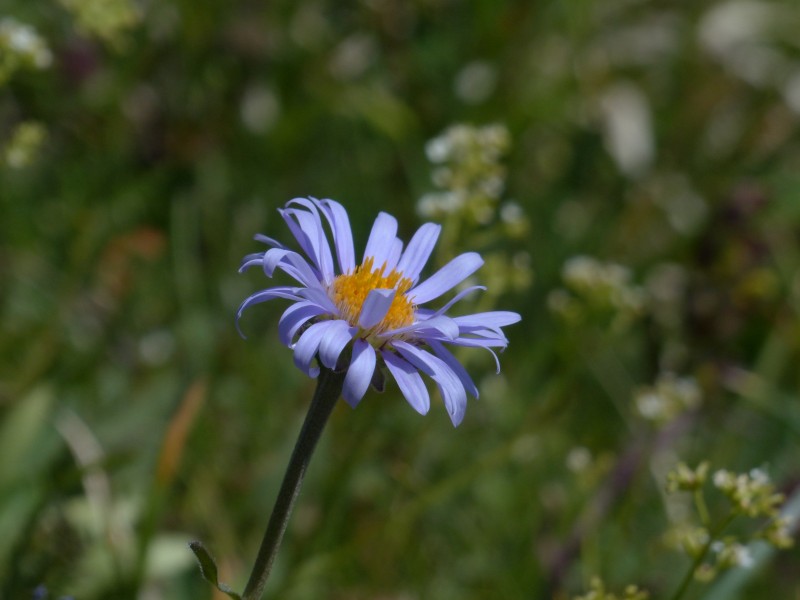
(329, 388)
(687, 579)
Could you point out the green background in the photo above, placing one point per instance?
(134, 419)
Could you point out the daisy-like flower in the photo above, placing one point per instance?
(366, 315)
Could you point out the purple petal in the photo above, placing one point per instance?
(268, 240)
(252, 260)
(457, 298)
(290, 293)
(394, 255)
(490, 337)
(419, 251)
(491, 320)
(473, 343)
(409, 382)
(446, 278)
(440, 326)
(457, 368)
(381, 239)
(306, 347)
(337, 336)
(306, 226)
(319, 296)
(294, 318)
(292, 264)
(359, 373)
(375, 307)
(450, 387)
(342, 234)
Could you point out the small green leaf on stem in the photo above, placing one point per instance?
(208, 568)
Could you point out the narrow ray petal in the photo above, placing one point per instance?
(294, 318)
(394, 254)
(450, 386)
(446, 278)
(452, 362)
(311, 235)
(419, 251)
(319, 296)
(381, 238)
(306, 347)
(359, 373)
(259, 237)
(457, 298)
(409, 382)
(375, 307)
(342, 234)
(337, 336)
(440, 325)
(290, 293)
(491, 320)
(292, 264)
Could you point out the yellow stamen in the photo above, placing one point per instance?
(349, 291)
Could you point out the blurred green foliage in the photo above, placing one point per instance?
(142, 144)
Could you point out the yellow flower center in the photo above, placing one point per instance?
(349, 291)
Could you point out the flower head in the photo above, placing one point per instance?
(361, 317)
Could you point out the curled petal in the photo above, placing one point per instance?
(292, 264)
(306, 347)
(259, 237)
(337, 336)
(359, 373)
(290, 293)
(306, 226)
(319, 296)
(342, 234)
(294, 318)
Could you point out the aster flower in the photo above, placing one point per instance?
(361, 317)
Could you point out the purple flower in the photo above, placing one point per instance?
(362, 316)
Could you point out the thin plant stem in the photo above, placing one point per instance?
(687, 579)
(329, 388)
(702, 509)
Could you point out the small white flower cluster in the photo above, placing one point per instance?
(598, 591)
(750, 493)
(689, 538)
(668, 398)
(467, 171)
(725, 554)
(731, 553)
(470, 181)
(596, 286)
(21, 47)
(685, 479)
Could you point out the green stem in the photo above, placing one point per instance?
(687, 579)
(702, 509)
(329, 388)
